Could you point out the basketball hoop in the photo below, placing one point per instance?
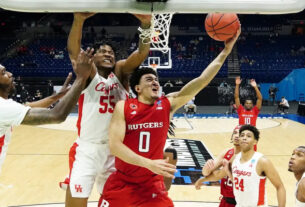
(154, 66)
(159, 33)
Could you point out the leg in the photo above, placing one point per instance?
(171, 153)
(75, 202)
(83, 171)
(117, 193)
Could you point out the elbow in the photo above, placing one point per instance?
(60, 117)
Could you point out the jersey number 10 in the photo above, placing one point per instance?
(144, 141)
(247, 120)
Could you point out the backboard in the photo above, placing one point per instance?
(171, 6)
(158, 59)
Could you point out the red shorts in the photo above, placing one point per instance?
(223, 203)
(120, 191)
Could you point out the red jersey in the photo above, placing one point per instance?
(226, 185)
(247, 117)
(146, 133)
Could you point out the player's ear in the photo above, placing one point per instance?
(137, 87)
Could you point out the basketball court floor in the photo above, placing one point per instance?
(38, 159)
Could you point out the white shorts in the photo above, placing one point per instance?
(89, 162)
(3, 151)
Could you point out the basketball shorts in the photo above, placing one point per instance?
(119, 191)
(3, 151)
(224, 203)
(89, 163)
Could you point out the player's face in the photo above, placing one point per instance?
(6, 80)
(104, 57)
(235, 137)
(247, 140)
(297, 161)
(248, 105)
(149, 86)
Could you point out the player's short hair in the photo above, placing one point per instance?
(303, 147)
(249, 99)
(136, 76)
(96, 46)
(251, 128)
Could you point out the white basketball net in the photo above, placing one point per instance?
(159, 33)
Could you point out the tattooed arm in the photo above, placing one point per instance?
(82, 68)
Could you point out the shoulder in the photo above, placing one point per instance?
(118, 68)
(227, 151)
(263, 163)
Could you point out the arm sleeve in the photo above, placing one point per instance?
(12, 113)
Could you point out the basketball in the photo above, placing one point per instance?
(221, 26)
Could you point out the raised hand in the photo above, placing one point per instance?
(84, 64)
(229, 44)
(66, 86)
(162, 167)
(237, 80)
(253, 83)
(208, 167)
(144, 18)
(83, 15)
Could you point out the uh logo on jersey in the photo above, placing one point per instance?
(102, 87)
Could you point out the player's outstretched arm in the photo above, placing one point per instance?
(236, 92)
(193, 87)
(137, 57)
(212, 165)
(214, 176)
(259, 96)
(120, 150)
(75, 35)
(82, 68)
(48, 101)
(266, 166)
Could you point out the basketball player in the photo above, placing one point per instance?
(89, 158)
(250, 170)
(297, 166)
(138, 145)
(226, 185)
(14, 114)
(248, 113)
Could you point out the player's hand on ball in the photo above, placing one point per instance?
(84, 64)
(208, 167)
(229, 44)
(162, 167)
(237, 80)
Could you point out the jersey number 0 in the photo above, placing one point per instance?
(144, 141)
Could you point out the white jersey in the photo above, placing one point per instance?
(249, 187)
(11, 114)
(96, 105)
(297, 202)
